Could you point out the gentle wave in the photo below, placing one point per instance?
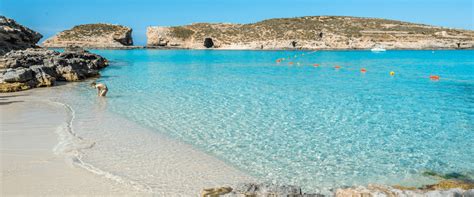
(71, 145)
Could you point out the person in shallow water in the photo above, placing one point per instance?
(101, 88)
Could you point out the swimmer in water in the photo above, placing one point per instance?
(101, 88)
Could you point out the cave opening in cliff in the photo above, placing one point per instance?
(208, 43)
(293, 43)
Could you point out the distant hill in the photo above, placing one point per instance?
(311, 32)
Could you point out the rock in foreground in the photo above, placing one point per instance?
(257, 189)
(30, 68)
(14, 36)
(312, 32)
(92, 36)
(382, 191)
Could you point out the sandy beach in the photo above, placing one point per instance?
(37, 159)
(234, 99)
(28, 164)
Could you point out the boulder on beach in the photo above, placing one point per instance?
(92, 36)
(14, 36)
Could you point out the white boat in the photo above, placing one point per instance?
(378, 49)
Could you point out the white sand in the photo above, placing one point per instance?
(28, 165)
(124, 159)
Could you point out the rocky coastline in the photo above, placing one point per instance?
(24, 65)
(310, 33)
(36, 67)
(302, 33)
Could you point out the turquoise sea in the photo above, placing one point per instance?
(317, 127)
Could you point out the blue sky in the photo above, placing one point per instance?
(51, 16)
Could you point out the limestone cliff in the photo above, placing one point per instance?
(14, 36)
(92, 36)
(314, 32)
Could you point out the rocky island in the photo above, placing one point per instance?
(312, 32)
(92, 36)
(23, 65)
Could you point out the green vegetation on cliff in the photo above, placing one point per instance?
(315, 28)
(181, 32)
(90, 30)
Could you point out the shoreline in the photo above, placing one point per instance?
(92, 177)
(56, 154)
(78, 155)
(29, 165)
(230, 49)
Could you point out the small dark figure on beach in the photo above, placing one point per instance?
(101, 88)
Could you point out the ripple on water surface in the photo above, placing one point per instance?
(312, 126)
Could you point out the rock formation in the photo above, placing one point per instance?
(262, 190)
(318, 32)
(30, 68)
(254, 189)
(379, 190)
(14, 36)
(92, 36)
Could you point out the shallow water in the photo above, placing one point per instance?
(317, 127)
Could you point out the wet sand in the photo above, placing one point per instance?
(39, 158)
(28, 164)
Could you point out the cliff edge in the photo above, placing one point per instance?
(92, 36)
(312, 32)
(14, 36)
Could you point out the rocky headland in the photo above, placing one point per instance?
(92, 36)
(14, 36)
(23, 65)
(312, 32)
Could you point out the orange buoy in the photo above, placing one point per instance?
(278, 60)
(290, 63)
(363, 70)
(337, 67)
(434, 77)
(315, 65)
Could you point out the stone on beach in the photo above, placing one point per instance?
(214, 192)
(261, 189)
